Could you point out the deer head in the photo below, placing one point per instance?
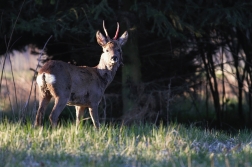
(112, 52)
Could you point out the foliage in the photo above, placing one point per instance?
(177, 43)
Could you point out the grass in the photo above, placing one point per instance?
(126, 146)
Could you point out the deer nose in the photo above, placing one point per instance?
(114, 58)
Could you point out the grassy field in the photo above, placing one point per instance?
(123, 146)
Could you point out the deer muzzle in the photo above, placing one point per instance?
(114, 58)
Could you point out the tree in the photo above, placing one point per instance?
(167, 40)
(131, 71)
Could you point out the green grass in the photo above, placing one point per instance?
(126, 146)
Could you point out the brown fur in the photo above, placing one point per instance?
(82, 87)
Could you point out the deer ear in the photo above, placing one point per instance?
(100, 38)
(123, 39)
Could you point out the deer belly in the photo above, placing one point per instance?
(79, 99)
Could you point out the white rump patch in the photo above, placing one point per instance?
(49, 78)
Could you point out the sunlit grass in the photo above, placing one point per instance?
(136, 145)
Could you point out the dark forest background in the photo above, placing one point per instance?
(177, 62)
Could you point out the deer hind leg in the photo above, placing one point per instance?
(79, 114)
(93, 111)
(43, 102)
(59, 105)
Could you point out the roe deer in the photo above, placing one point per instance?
(79, 86)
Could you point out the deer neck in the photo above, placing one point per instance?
(106, 74)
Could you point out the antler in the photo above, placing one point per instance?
(117, 30)
(105, 30)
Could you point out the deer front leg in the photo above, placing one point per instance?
(93, 111)
(79, 114)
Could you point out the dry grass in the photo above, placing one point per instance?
(23, 76)
(126, 146)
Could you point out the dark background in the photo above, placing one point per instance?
(170, 59)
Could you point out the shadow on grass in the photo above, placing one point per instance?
(32, 157)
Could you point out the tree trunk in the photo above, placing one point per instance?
(244, 37)
(131, 73)
(234, 46)
(212, 80)
(131, 70)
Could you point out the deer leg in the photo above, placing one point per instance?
(43, 102)
(93, 111)
(79, 114)
(59, 105)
